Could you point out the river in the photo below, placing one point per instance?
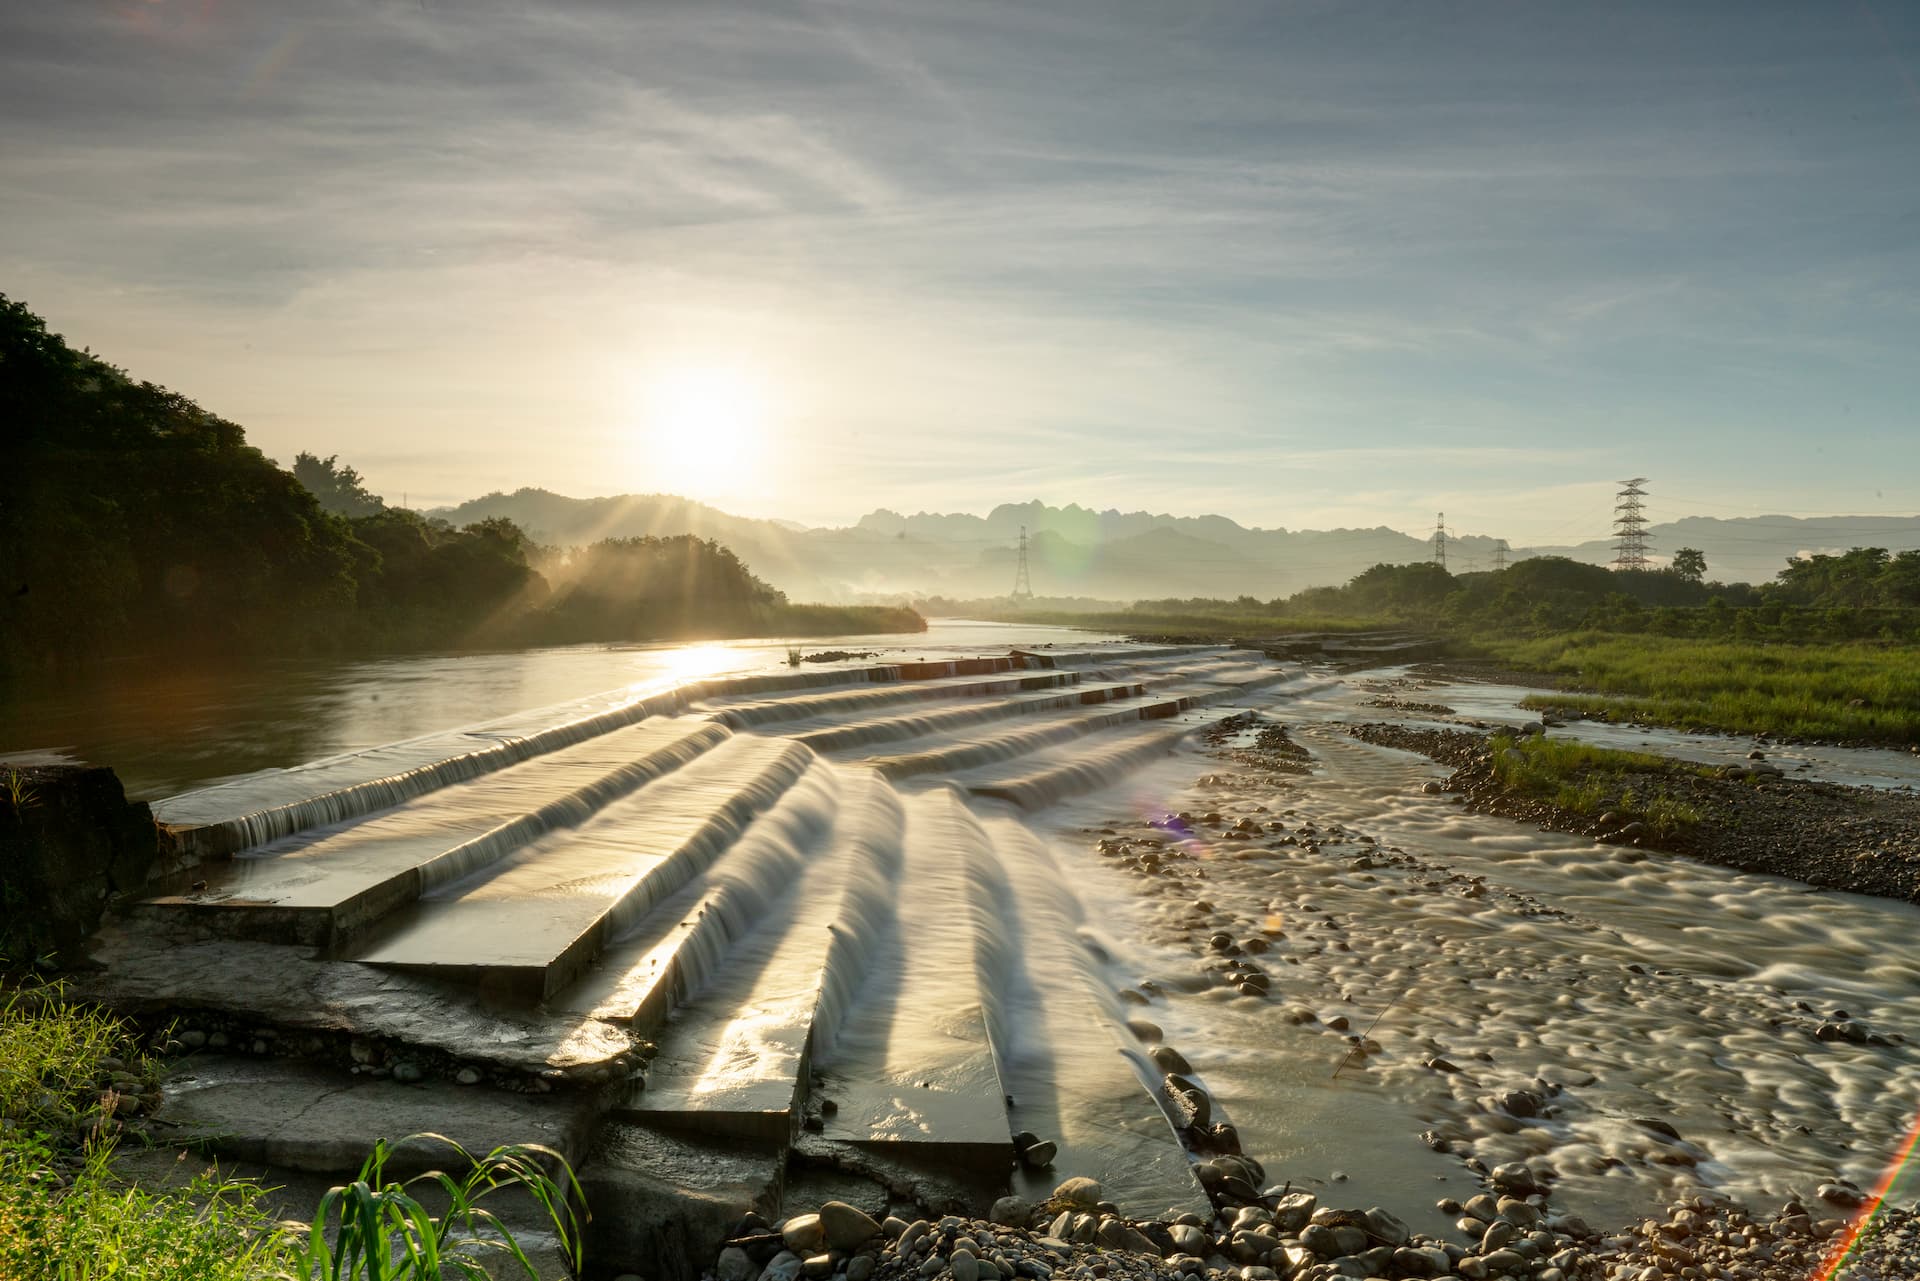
(167, 729)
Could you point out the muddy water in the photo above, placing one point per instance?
(1612, 986)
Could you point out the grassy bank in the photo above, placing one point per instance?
(71, 1077)
(1848, 691)
(1594, 780)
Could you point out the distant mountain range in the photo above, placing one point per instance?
(1114, 555)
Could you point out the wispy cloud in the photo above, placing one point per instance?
(1274, 260)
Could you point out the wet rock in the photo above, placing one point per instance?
(1078, 1191)
(1386, 1228)
(1168, 1059)
(860, 1267)
(1292, 1211)
(784, 1266)
(1515, 1179)
(1040, 1155)
(1011, 1212)
(843, 1226)
(734, 1264)
(803, 1234)
(965, 1266)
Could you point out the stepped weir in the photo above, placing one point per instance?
(683, 937)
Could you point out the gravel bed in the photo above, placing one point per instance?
(1511, 1230)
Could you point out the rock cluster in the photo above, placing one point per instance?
(1283, 1235)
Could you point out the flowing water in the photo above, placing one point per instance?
(884, 888)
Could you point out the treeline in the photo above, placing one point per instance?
(1866, 593)
(134, 522)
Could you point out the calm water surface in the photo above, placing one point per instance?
(167, 729)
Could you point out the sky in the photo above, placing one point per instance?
(1304, 264)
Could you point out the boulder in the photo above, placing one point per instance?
(845, 1226)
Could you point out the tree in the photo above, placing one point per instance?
(339, 488)
(1690, 563)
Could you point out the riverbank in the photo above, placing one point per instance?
(1856, 839)
(1511, 1230)
(1850, 693)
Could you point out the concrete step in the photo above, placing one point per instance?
(740, 713)
(300, 1116)
(909, 1067)
(215, 822)
(843, 736)
(527, 930)
(746, 972)
(320, 889)
(955, 754)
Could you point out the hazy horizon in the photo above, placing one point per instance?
(1309, 265)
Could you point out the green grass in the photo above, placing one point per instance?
(67, 1214)
(53, 1057)
(78, 1224)
(375, 1228)
(1593, 780)
(1842, 690)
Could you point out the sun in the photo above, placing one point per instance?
(705, 430)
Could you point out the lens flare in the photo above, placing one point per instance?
(1850, 1240)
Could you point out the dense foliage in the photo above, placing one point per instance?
(133, 522)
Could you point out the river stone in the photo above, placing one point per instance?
(1038, 1156)
(1422, 1261)
(1187, 1239)
(1319, 1238)
(1292, 1211)
(1078, 1191)
(818, 1266)
(784, 1266)
(802, 1233)
(860, 1267)
(1498, 1234)
(965, 1266)
(1519, 1212)
(1168, 1059)
(1011, 1212)
(1385, 1228)
(734, 1265)
(407, 1072)
(1347, 1241)
(1515, 1179)
(846, 1227)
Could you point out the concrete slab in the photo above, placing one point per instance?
(283, 1113)
(149, 974)
(663, 1203)
(529, 929)
(319, 889)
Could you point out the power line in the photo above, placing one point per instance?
(1022, 580)
(1630, 526)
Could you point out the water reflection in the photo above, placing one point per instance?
(168, 729)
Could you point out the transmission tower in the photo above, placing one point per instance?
(1022, 580)
(1440, 541)
(1499, 555)
(1630, 526)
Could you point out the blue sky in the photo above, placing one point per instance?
(1302, 264)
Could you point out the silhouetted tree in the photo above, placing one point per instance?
(338, 487)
